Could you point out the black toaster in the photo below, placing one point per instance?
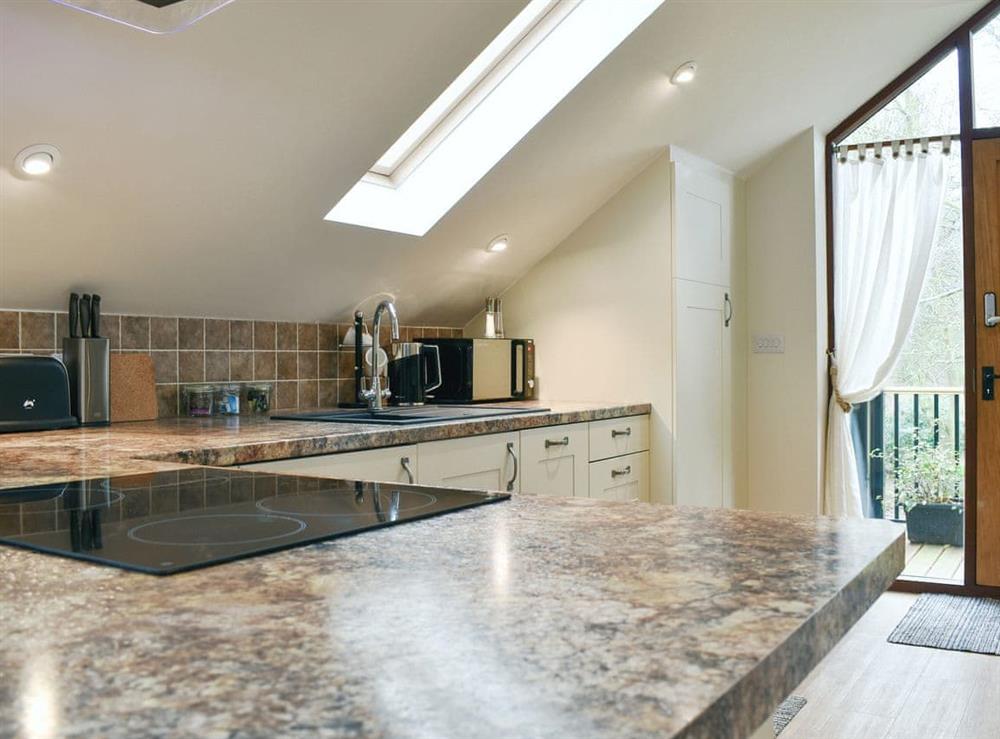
(34, 394)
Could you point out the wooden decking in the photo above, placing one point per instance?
(933, 562)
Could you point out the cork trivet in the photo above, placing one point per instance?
(133, 388)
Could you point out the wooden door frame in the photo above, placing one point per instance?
(959, 39)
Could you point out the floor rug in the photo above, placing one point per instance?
(951, 622)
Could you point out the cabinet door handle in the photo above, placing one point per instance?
(510, 451)
(729, 311)
(615, 433)
(627, 470)
(564, 441)
(404, 462)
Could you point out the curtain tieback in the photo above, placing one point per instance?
(844, 405)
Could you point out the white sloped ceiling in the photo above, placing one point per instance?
(197, 167)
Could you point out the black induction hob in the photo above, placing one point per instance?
(167, 522)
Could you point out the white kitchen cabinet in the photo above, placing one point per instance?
(703, 220)
(491, 462)
(554, 460)
(702, 397)
(613, 437)
(393, 464)
(623, 478)
(703, 318)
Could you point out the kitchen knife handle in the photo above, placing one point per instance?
(85, 316)
(74, 316)
(95, 317)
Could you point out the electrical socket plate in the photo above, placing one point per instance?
(768, 344)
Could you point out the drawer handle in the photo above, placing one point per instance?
(564, 441)
(513, 455)
(615, 433)
(405, 464)
(627, 470)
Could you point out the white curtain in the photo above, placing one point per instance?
(885, 217)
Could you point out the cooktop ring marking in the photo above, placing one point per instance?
(267, 504)
(300, 525)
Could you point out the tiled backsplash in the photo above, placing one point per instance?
(303, 360)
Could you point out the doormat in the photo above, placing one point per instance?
(952, 622)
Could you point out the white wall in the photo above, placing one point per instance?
(599, 310)
(786, 288)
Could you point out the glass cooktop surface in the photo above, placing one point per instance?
(167, 522)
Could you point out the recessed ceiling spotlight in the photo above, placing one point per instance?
(500, 243)
(37, 159)
(684, 73)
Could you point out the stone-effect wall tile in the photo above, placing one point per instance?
(191, 366)
(240, 335)
(241, 366)
(135, 332)
(327, 393)
(216, 366)
(308, 365)
(310, 369)
(10, 332)
(328, 336)
(287, 338)
(328, 365)
(264, 366)
(263, 335)
(163, 333)
(38, 331)
(287, 366)
(308, 393)
(308, 337)
(165, 366)
(191, 333)
(286, 395)
(216, 333)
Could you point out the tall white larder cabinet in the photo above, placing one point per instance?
(703, 212)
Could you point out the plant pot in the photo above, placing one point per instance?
(936, 523)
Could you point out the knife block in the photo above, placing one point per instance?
(88, 364)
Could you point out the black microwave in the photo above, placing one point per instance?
(484, 370)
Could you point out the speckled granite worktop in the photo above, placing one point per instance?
(530, 618)
(124, 448)
(535, 617)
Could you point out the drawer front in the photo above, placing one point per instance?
(613, 437)
(491, 462)
(621, 478)
(555, 460)
(375, 465)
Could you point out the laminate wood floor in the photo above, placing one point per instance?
(867, 688)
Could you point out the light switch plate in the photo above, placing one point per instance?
(768, 344)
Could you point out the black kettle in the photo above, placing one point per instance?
(415, 369)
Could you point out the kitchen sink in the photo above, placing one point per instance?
(401, 416)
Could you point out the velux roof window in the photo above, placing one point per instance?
(522, 75)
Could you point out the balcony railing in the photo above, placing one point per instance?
(895, 418)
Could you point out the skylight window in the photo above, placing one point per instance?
(534, 63)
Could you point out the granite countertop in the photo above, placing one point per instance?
(126, 448)
(534, 617)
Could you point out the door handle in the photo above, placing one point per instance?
(729, 311)
(991, 318)
(988, 377)
(510, 451)
(404, 462)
